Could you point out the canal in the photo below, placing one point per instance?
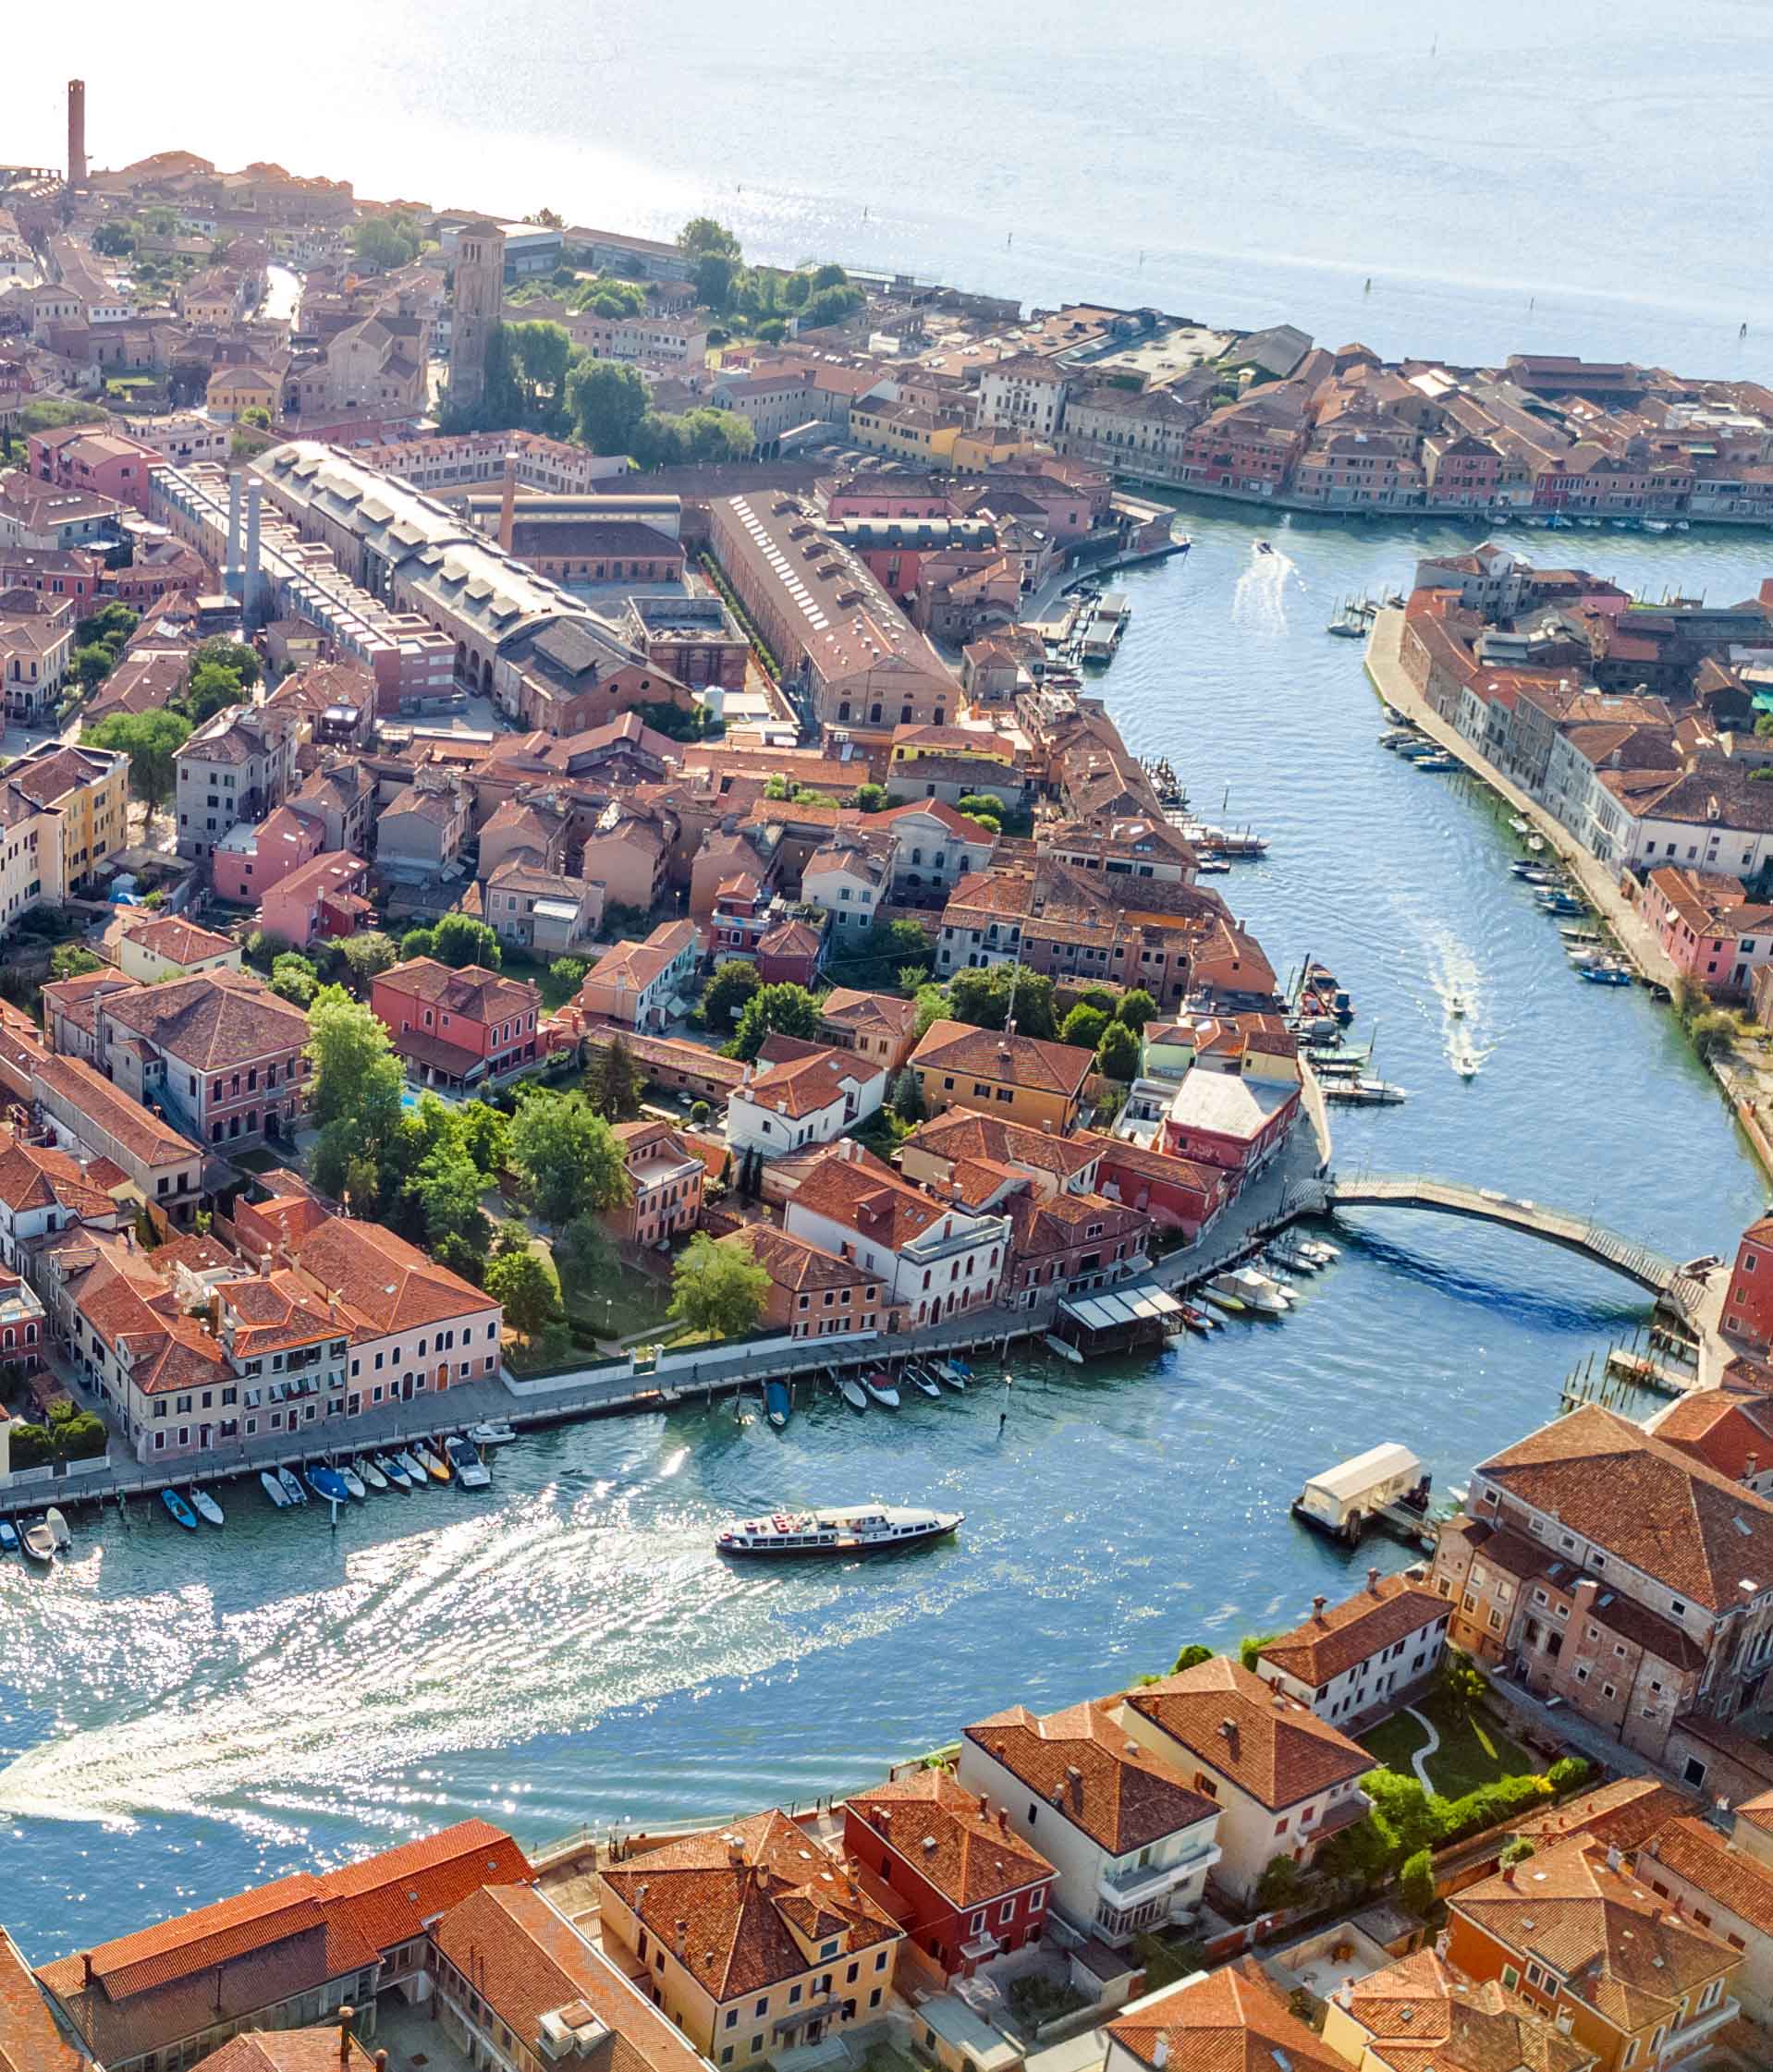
(183, 1715)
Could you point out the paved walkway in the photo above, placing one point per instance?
(1419, 1757)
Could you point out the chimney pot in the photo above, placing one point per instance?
(1317, 1606)
(347, 2017)
(1372, 1580)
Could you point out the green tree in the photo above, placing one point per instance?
(833, 305)
(1282, 1883)
(360, 1190)
(92, 664)
(150, 740)
(871, 797)
(566, 974)
(932, 1006)
(210, 688)
(1416, 1883)
(908, 1096)
(725, 996)
(983, 998)
(1117, 1055)
(1569, 1772)
(418, 942)
(1252, 1645)
(294, 977)
(367, 955)
(356, 1078)
(382, 244)
(1191, 1657)
(1136, 1009)
(786, 1010)
(1413, 1817)
(613, 1082)
(115, 239)
(1462, 1684)
(109, 627)
(1083, 1027)
(526, 1287)
(713, 276)
(829, 276)
(1518, 1851)
(608, 401)
(484, 1136)
(718, 1288)
(567, 1156)
(704, 234)
(69, 960)
(235, 656)
(510, 1234)
(978, 803)
(542, 357)
(892, 949)
(460, 939)
(446, 1190)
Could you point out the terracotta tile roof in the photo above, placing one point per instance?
(1019, 1061)
(875, 1203)
(790, 938)
(144, 1136)
(1232, 2021)
(287, 2050)
(741, 1896)
(1621, 1814)
(210, 1021)
(391, 1896)
(38, 1176)
(880, 1014)
(179, 942)
(47, 779)
(797, 1266)
(1698, 1854)
(1667, 1514)
(1618, 1948)
(527, 1960)
(391, 1284)
(1081, 1761)
(1276, 1752)
(31, 2040)
(960, 1134)
(952, 1837)
(1725, 1427)
(803, 1085)
(1336, 1637)
(1423, 2016)
(472, 991)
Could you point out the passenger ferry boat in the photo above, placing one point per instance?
(865, 1528)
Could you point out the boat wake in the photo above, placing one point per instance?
(486, 1634)
(1259, 600)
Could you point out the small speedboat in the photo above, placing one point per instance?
(1326, 1255)
(355, 1486)
(8, 1537)
(1537, 843)
(1608, 974)
(328, 1485)
(181, 1512)
(1291, 1261)
(778, 1405)
(206, 1507)
(61, 1538)
(955, 1372)
(1465, 1064)
(922, 1380)
(880, 1388)
(37, 1541)
(430, 1460)
(1242, 1288)
(273, 1487)
(1518, 825)
(495, 1431)
(418, 1475)
(850, 1390)
(394, 1467)
(292, 1489)
(1199, 1320)
(471, 1472)
(371, 1473)
(1456, 1006)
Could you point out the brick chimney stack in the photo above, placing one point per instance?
(77, 134)
(507, 507)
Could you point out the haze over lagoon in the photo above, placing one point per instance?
(180, 1717)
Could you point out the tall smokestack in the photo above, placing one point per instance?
(77, 133)
(507, 509)
(250, 582)
(230, 575)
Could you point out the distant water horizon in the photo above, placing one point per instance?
(1245, 171)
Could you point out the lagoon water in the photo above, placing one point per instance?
(182, 1715)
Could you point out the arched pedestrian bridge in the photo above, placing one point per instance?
(1607, 1248)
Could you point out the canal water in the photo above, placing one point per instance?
(180, 1716)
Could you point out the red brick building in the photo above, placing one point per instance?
(457, 1028)
(1748, 1301)
(1176, 1193)
(964, 1885)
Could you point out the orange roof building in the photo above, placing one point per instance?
(1232, 2021)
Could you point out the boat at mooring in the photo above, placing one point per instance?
(180, 1511)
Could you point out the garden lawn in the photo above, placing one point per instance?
(617, 1304)
(1473, 1752)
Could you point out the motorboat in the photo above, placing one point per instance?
(1364, 1093)
(1608, 974)
(394, 1469)
(495, 1431)
(1439, 761)
(1518, 825)
(37, 1541)
(273, 1487)
(292, 1489)
(1262, 547)
(778, 1404)
(1240, 1289)
(880, 1388)
(371, 1473)
(862, 1529)
(1466, 1063)
(1581, 935)
(1314, 1248)
(430, 1460)
(60, 1532)
(471, 1472)
(850, 1390)
(1293, 1262)
(354, 1483)
(956, 1371)
(8, 1537)
(206, 1507)
(1200, 1322)
(417, 1475)
(1456, 1006)
(328, 1485)
(1537, 843)
(922, 1381)
(181, 1512)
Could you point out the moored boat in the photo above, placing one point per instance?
(778, 1404)
(292, 1489)
(865, 1528)
(8, 1537)
(922, 1380)
(394, 1467)
(1199, 1320)
(37, 1541)
(417, 1475)
(850, 1390)
(369, 1470)
(354, 1483)
(273, 1487)
(1325, 1254)
(955, 1371)
(430, 1460)
(1607, 974)
(327, 1485)
(1365, 1093)
(206, 1507)
(471, 1472)
(880, 1388)
(180, 1511)
(1250, 1290)
(493, 1432)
